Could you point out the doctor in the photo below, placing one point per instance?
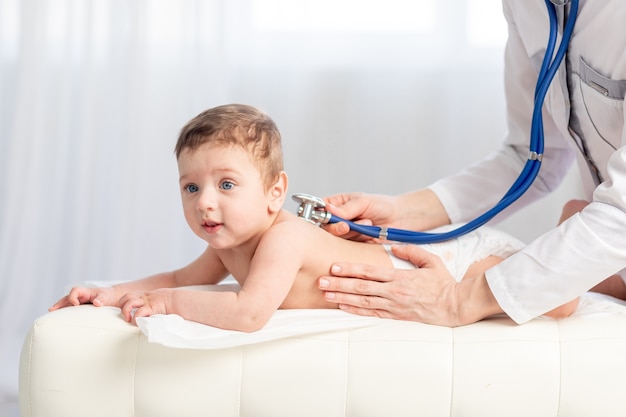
(583, 120)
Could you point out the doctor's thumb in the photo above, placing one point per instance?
(337, 229)
(416, 255)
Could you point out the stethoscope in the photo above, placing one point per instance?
(312, 208)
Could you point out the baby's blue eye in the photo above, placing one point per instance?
(227, 185)
(192, 188)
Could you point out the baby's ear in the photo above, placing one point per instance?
(278, 192)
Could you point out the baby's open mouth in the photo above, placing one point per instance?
(211, 226)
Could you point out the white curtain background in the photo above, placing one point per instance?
(382, 96)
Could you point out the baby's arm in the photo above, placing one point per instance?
(206, 269)
(272, 271)
(110, 296)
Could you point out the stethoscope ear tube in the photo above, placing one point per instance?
(530, 171)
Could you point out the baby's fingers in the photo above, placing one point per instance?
(76, 296)
(80, 295)
(130, 302)
(63, 302)
(144, 311)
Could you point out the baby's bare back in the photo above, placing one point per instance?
(327, 249)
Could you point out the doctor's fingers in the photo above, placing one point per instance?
(364, 271)
(399, 307)
(370, 306)
(370, 280)
(355, 206)
(426, 303)
(339, 200)
(342, 229)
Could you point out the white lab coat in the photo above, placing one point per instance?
(585, 103)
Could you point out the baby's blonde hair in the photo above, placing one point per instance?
(237, 125)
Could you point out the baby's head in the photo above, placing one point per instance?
(237, 125)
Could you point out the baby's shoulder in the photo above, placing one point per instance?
(289, 226)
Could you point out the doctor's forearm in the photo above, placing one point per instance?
(421, 210)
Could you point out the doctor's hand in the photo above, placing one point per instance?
(361, 208)
(99, 297)
(428, 294)
(419, 210)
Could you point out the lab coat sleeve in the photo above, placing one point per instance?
(568, 260)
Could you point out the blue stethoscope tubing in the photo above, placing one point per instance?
(547, 72)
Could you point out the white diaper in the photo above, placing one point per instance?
(458, 254)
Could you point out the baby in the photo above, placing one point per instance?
(233, 187)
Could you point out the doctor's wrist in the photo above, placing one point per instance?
(420, 210)
(475, 301)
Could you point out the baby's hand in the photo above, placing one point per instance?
(80, 295)
(145, 304)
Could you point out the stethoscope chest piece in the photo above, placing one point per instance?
(311, 208)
